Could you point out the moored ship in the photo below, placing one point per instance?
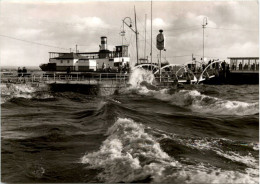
(79, 62)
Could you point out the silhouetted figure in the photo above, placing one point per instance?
(68, 70)
(240, 66)
(253, 66)
(245, 67)
(19, 72)
(24, 70)
(233, 67)
(214, 64)
(103, 66)
(217, 66)
(203, 66)
(223, 65)
(209, 62)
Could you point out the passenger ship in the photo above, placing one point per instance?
(102, 61)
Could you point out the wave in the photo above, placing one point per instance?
(132, 153)
(207, 104)
(28, 91)
(140, 75)
(248, 160)
(142, 83)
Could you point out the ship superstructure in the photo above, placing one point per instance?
(103, 60)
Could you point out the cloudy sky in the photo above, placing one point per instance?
(31, 29)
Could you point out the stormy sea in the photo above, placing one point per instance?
(192, 134)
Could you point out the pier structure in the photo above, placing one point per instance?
(244, 64)
(244, 70)
(90, 82)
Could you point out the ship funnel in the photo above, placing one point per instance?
(103, 43)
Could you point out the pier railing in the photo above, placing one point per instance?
(86, 78)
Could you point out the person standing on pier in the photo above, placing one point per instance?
(24, 71)
(19, 72)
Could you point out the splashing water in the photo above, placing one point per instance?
(191, 99)
(9, 91)
(140, 75)
(131, 154)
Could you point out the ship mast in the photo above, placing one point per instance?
(145, 39)
(151, 31)
(136, 33)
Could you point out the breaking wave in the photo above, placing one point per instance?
(28, 91)
(140, 75)
(132, 153)
(142, 82)
(206, 104)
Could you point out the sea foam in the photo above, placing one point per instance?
(131, 154)
(27, 91)
(142, 80)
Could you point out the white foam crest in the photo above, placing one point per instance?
(209, 144)
(248, 160)
(202, 103)
(128, 154)
(140, 75)
(21, 90)
(142, 83)
(207, 176)
(16, 89)
(255, 146)
(131, 154)
(207, 104)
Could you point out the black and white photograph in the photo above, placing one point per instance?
(104, 91)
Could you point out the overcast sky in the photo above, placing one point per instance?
(232, 30)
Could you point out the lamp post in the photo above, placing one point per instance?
(205, 22)
(124, 23)
(135, 31)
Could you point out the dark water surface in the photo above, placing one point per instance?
(198, 134)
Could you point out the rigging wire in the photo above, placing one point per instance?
(13, 38)
(251, 30)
